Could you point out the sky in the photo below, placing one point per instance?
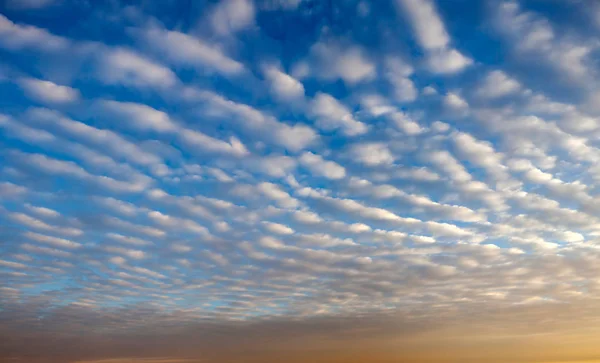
(299, 181)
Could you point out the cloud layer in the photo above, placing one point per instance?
(390, 173)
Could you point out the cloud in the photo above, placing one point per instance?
(185, 50)
(497, 84)
(398, 73)
(432, 36)
(17, 37)
(230, 16)
(277, 228)
(455, 102)
(293, 137)
(275, 193)
(371, 154)
(321, 167)
(48, 92)
(333, 115)
(532, 34)
(350, 64)
(427, 24)
(283, 86)
(146, 118)
(140, 116)
(275, 175)
(122, 66)
(446, 61)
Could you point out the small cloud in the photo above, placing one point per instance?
(231, 16)
(348, 63)
(371, 154)
(332, 115)
(48, 92)
(283, 86)
(497, 84)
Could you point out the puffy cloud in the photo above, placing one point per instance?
(397, 75)
(321, 167)
(292, 137)
(348, 63)
(186, 174)
(230, 16)
(275, 193)
(426, 22)
(432, 36)
(371, 154)
(447, 163)
(455, 102)
(497, 84)
(146, 118)
(123, 66)
(184, 49)
(21, 37)
(48, 92)
(140, 116)
(333, 115)
(533, 35)
(277, 228)
(448, 61)
(283, 86)
(481, 154)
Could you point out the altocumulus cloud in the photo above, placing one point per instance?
(295, 180)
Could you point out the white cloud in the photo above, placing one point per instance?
(278, 228)
(348, 63)
(109, 140)
(397, 74)
(274, 192)
(43, 211)
(293, 138)
(447, 163)
(183, 49)
(40, 225)
(71, 169)
(169, 221)
(12, 264)
(275, 166)
(447, 61)
(419, 174)
(55, 241)
(18, 37)
(497, 84)
(404, 123)
(204, 142)
(426, 22)
(283, 86)
(230, 16)
(455, 102)
(371, 154)
(48, 92)
(321, 167)
(332, 115)
(481, 154)
(140, 116)
(433, 37)
(122, 66)
(533, 35)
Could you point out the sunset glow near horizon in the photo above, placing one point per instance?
(299, 181)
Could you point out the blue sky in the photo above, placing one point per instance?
(239, 159)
